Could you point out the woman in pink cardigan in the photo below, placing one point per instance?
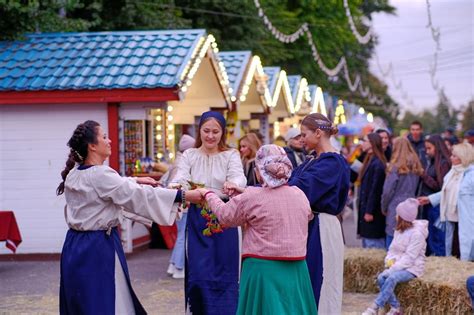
(274, 217)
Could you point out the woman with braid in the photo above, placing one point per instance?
(324, 179)
(94, 273)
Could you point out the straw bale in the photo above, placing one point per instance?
(441, 290)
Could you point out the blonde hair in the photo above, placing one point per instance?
(254, 144)
(465, 152)
(405, 158)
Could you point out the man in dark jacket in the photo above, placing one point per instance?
(294, 148)
(417, 140)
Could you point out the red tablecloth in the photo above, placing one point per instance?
(9, 231)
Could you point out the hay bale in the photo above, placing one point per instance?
(360, 268)
(441, 290)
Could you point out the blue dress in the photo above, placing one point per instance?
(325, 182)
(212, 268)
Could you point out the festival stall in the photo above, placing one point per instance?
(143, 87)
(282, 100)
(251, 97)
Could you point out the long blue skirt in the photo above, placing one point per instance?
(212, 268)
(87, 284)
(314, 257)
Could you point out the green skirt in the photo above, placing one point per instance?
(275, 287)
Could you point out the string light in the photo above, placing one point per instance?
(361, 39)
(341, 65)
(435, 34)
(398, 84)
(370, 117)
(318, 103)
(339, 116)
(206, 46)
(255, 73)
(361, 110)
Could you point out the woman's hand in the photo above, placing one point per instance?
(368, 217)
(146, 181)
(423, 200)
(194, 196)
(202, 191)
(231, 189)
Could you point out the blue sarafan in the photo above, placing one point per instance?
(103, 60)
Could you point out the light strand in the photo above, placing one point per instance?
(361, 39)
(435, 34)
(341, 65)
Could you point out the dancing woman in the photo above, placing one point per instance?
(324, 178)
(94, 273)
(212, 262)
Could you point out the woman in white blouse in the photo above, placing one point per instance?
(212, 255)
(94, 273)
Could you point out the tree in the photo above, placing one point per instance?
(444, 116)
(467, 121)
(236, 26)
(20, 17)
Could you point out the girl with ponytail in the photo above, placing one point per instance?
(94, 273)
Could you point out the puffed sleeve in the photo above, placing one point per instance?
(235, 171)
(183, 170)
(156, 204)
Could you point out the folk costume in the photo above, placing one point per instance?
(325, 182)
(275, 277)
(94, 273)
(212, 262)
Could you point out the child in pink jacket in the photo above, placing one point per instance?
(405, 259)
(274, 217)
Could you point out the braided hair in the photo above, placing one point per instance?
(319, 121)
(83, 135)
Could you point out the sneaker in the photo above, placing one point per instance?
(171, 269)
(178, 274)
(394, 311)
(371, 310)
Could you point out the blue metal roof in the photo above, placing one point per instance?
(272, 73)
(103, 60)
(235, 63)
(312, 91)
(294, 83)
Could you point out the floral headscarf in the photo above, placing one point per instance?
(274, 166)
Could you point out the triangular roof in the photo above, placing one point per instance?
(102, 60)
(272, 73)
(235, 63)
(317, 100)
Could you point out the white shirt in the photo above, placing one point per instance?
(211, 170)
(96, 196)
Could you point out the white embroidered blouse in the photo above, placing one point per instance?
(96, 196)
(211, 170)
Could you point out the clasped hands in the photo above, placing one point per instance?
(197, 195)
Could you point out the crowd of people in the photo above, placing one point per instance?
(259, 228)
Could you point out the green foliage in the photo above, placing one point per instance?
(433, 122)
(236, 26)
(467, 121)
(19, 17)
